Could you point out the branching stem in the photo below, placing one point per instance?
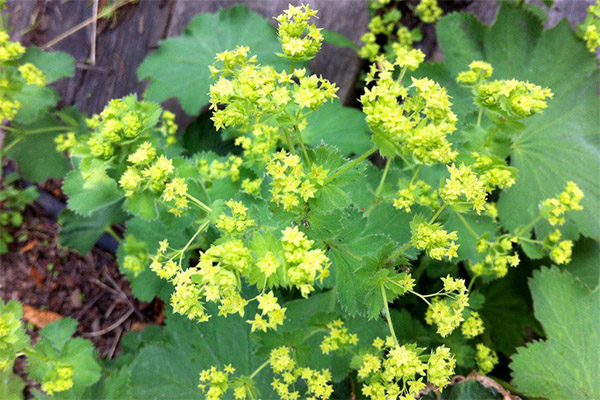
(350, 165)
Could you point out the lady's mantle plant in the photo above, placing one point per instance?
(283, 233)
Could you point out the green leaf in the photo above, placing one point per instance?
(29, 150)
(34, 101)
(567, 365)
(11, 386)
(339, 40)
(142, 204)
(507, 312)
(55, 65)
(81, 233)
(559, 145)
(585, 264)
(179, 68)
(87, 196)
(56, 348)
(469, 389)
(339, 126)
(170, 367)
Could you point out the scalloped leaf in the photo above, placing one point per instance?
(567, 365)
(87, 196)
(179, 68)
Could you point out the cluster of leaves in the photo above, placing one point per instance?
(12, 203)
(59, 363)
(489, 164)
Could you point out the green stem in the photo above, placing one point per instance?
(293, 66)
(471, 284)
(290, 142)
(398, 252)
(489, 139)
(262, 366)
(479, 117)
(200, 229)
(467, 225)
(419, 295)
(343, 250)
(112, 233)
(304, 152)
(530, 240)
(414, 177)
(401, 76)
(199, 203)
(437, 214)
(529, 226)
(11, 145)
(377, 199)
(350, 165)
(387, 314)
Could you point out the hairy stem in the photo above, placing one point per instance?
(387, 314)
(302, 146)
(260, 368)
(199, 203)
(377, 199)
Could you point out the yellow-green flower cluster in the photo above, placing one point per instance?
(291, 186)
(8, 109)
(464, 184)
(9, 51)
(251, 93)
(440, 367)
(478, 72)
(270, 308)
(12, 333)
(554, 208)
(58, 379)
(238, 222)
(300, 40)
(428, 11)
(283, 364)
(381, 25)
(419, 123)
(510, 99)
(217, 169)
(169, 127)
(337, 337)
(589, 30)
(486, 358)
(560, 250)
(415, 193)
(473, 326)
(445, 310)
(136, 255)
(305, 265)
(262, 143)
(436, 241)
(497, 260)
(391, 371)
(65, 142)
(493, 172)
(214, 383)
(251, 186)
(119, 121)
(32, 75)
(151, 173)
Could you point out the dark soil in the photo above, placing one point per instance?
(41, 274)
